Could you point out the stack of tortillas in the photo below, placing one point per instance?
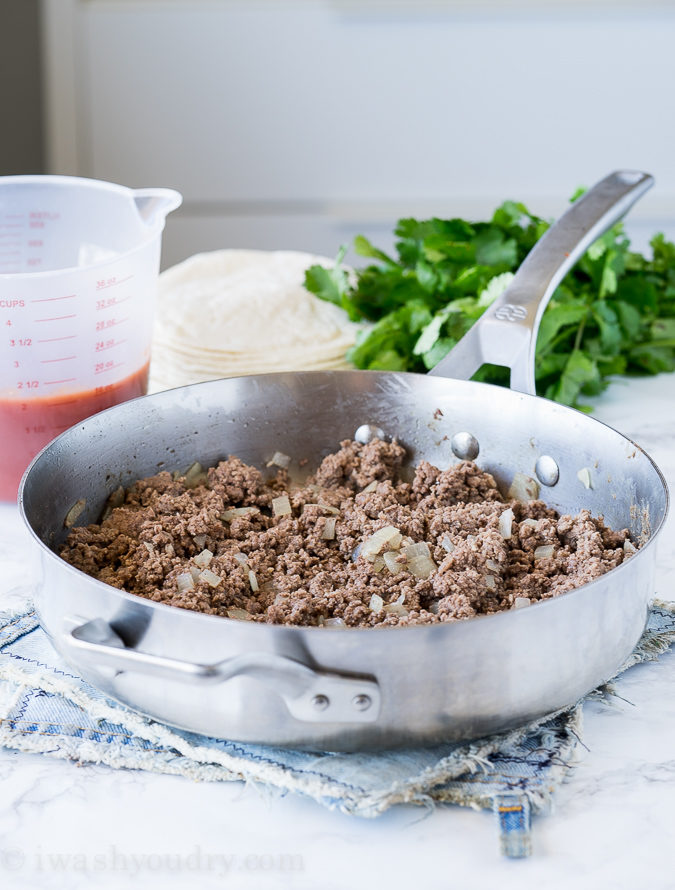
(234, 312)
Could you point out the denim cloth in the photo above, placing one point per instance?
(45, 707)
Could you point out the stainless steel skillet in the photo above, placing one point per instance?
(352, 689)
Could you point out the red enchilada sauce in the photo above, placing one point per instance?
(27, 426)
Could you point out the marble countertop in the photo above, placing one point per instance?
(68, 825)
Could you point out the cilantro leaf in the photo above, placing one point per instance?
(332, 284)
(578, 372)
(614, 313)
(494, 249)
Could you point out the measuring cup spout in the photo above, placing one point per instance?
(154, 204)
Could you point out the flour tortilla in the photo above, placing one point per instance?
(234, 312)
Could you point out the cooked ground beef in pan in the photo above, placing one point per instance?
(355, 545)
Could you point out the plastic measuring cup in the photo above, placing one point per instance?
(79, 261)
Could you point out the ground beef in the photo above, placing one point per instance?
(188, 541)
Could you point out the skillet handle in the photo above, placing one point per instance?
(506, 333)
(310, 695)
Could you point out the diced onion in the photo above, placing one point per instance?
(195, 572)
(521, 601)
(378, 564)
(391, 560)
(492, 565)
(200, 541)
(327, 507)
(400, 599)
(418, 559)
(231, 512)
(411, 551)
(370, 487)
(422, 567)
(334, 622)
(253, 581)
(531, 523)
(584, 476)
(148, 546)
(203, 559)
(241, 614)
(74, 513)
(376, 603)
(447, 544)
(241, 558)
(279, 459)
(544, 551)
(116, 499)
(629, 548)
(210, 577)
(490, 582)
(328, 533)
(185, 582)
(506, 523)
(396, 609)
(523, 488)
(388, 537)
(281, 506)
(194, 476)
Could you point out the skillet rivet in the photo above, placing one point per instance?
(320, 702)
(361, 702)
(367, 432)
(465, 446)
(547, 470)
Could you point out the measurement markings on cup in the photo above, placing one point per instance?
(104, 367)
(112, 282)
(102, 345)
(56, 339)
(54, 299)
(110, 323)
(109, 302)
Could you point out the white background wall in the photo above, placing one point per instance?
(298, 123)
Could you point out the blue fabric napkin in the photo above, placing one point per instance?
(45, 707)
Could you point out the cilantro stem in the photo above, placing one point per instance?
(580, 332)
(551, 346)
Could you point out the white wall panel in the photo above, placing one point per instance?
(274, 109)
(186, 234)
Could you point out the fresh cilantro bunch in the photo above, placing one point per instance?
(614, 313)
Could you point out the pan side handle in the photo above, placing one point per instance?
(310, 695)
(506, 333)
